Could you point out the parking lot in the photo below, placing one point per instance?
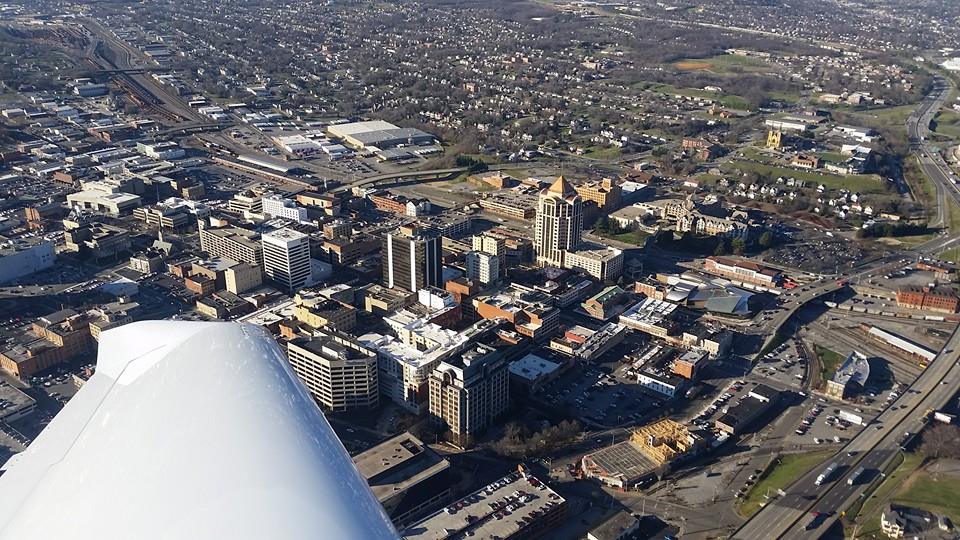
(825, 422)
(810, 251)
(715, 408)
(57, 384)
(603, 396)
(785, 365)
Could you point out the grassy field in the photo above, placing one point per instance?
(950, 255)
(891, 118)
(953, 216)
(921, 185)
(907, 242)
(948, 124)
(726, 100)
(862, 183)
(636, 238)
(602, 152)
(756, 154)
(886, 117)
(790, 468)
(835, 157)
(869, 515)
(519, 174)
(829, 362)
(935, 493)
(724, 64)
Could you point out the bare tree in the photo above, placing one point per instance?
(940, 441)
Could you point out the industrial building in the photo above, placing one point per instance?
(938, 299)
(379, 135)
(850, 377)
(741, 415)
(901, 344)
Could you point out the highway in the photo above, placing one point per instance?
(873, 448)
(931, 163)
(933, 166)
(818, 288)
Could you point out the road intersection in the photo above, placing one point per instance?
(877, 445)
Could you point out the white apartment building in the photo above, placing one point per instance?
(482, 267)
(277, 206)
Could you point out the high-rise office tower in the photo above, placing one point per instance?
(468, 392)
(286, 258)
(411, 258)
(559, 223)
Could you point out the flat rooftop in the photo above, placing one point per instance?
(241, 236)
(500, 510)
(597, 251)
(26, 345)
(13, 400)
(398, 463)
(343, 130)
(649, 310)
(531, 367)
(622, 459)
(216, 263)
(11, 246)
(285, 234)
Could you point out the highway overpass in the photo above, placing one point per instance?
(875, 447)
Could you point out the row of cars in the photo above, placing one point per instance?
(701, 420)
(808, 420)
(742, 492)
(60, 376)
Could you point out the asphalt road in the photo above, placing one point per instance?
(875, 446)
(872, 449)
(929, 158)
(819, 288)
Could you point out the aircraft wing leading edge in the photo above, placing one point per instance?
(188, 430)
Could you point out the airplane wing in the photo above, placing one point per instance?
(189, 430)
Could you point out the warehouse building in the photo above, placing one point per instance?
(379, 135)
